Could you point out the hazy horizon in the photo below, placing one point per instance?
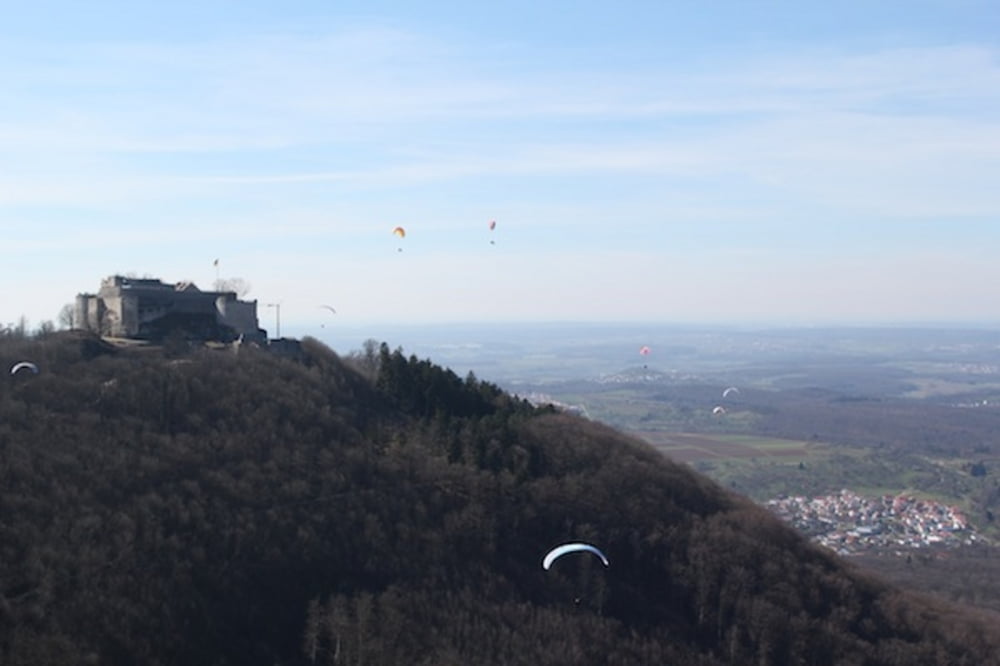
(557, 351)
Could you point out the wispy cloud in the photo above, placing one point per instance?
(270, 130)
(287, 90)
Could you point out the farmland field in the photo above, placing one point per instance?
(689, 447)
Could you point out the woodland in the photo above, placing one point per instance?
(184, 505)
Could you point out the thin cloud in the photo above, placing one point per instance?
(286, 91)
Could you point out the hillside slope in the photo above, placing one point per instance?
(205, 507)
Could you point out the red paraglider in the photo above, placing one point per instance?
(644, 351)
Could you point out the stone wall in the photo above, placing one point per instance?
(144, 307)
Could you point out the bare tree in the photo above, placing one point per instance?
(65, 318)
(45, 329)
(237, 284)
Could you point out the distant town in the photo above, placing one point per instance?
(850, 523)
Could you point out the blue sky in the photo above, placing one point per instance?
(739, 162)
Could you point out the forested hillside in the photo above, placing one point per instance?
(194, 506)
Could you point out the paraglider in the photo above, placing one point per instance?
(400, 233)
(719, 410)
(732, 390)
(493, 225)
(644, 350)
(332, 311)
(559, 551)
(24, 365)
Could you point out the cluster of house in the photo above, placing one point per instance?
(975, 403)
(850, 523)
(642, 376)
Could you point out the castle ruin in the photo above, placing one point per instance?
(149, 309)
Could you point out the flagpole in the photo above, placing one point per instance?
(277, 318)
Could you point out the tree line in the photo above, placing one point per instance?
(194, 506)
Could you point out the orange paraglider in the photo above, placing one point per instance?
(400, 233)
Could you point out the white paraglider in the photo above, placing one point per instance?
(559, 551)
(24, 365)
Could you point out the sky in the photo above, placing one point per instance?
(744, 161)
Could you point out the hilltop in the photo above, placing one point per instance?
(194, 506)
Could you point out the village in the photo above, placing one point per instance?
(850, 524)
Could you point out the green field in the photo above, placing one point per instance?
(691, 447)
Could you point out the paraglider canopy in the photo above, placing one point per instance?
(644, 350)
(559, 551)
(327, 307)
(400, 233)
(730, 391)
(719, 410)
(24, 365)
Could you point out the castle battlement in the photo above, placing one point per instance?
(150, 309)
